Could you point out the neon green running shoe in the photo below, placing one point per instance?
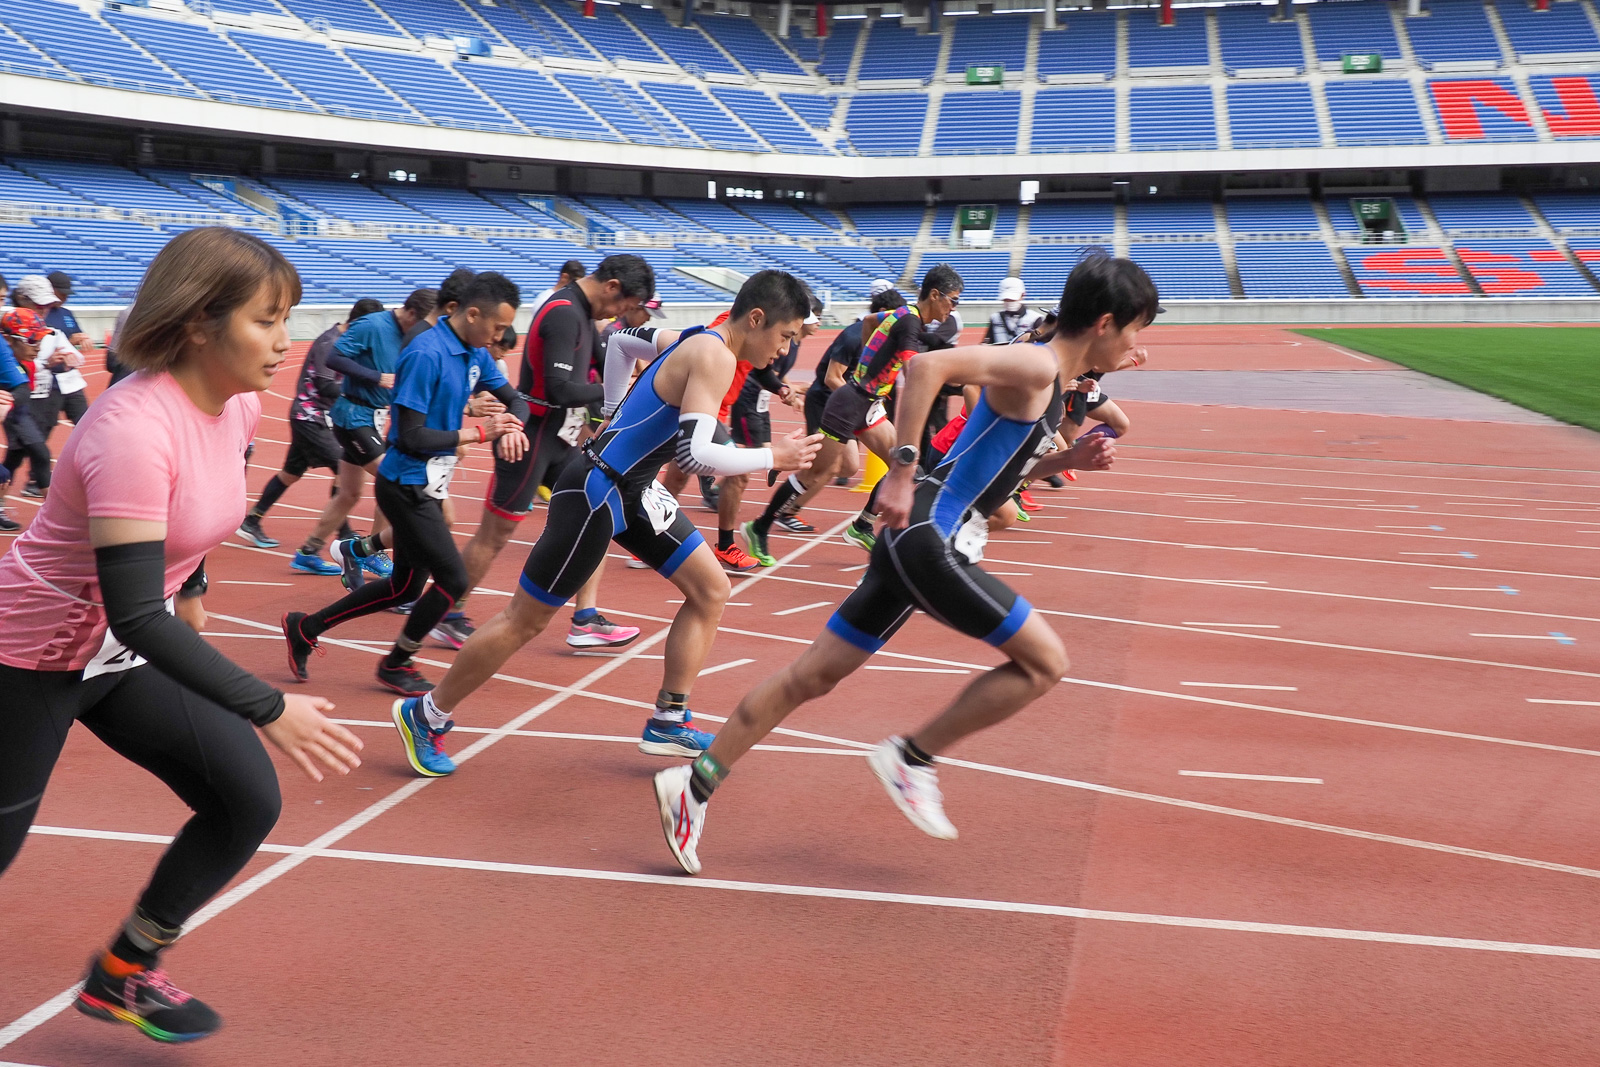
(855, 535)
(758, 545)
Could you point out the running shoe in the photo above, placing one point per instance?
(674, 739)
(402, 609)
(146, 999)
(8, 524)
(914, 790)
(350, 572)
(637, 564)
(379, 565)
(453, 630)
(1056, 481)
(306, 563)
(710, 492)
(856, 534)
(842, 481)
(683, 818)
(404, 679)
(735, 559)
(424, 745)
(1025, 498)
(300, 646)
(757, 544)
(600, 632)
(794, 524)
(250, 529)
(33, 491)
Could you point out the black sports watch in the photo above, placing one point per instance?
(905, 455)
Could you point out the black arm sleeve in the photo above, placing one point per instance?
(768, 378)
(131, 582)
(566, 385)
(513, 401)
(416, 438)
(351, 369)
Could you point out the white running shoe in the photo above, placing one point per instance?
(914, 790)
(683, 818)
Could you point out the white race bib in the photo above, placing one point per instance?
(660, 506)
(763, 401)
(972, 536)
(440, 470)
(572, 425)
(114, 656)
(875, 413)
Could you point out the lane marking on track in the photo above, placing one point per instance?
(227, 581)
(719, 668)
(961, 903)
(1436, 529)
(1570, 703)
(916, 670)
(1464, 555)
(1506, 589)
(1238, 625)
(1559, 638)
(563, 735)
(803, 607)
(1122, 473)
(1339, 500)
(602, 654)
(1252, 777)
(1356, 470)
(1240, 685)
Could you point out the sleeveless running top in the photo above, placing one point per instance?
(986, 463)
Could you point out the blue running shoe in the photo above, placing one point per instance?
(350, 572)
(379, 565)
(424, 745)
(674, 739)
(306, 563)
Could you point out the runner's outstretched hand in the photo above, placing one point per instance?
(796, 451)
(1093, 453)
(305, 734)
(894, 498)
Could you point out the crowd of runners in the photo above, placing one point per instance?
(599, 417)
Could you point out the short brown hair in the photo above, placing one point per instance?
(205, 273)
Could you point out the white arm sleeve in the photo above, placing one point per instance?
(697, 454)
(624, 349)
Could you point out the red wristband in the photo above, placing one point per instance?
(482, 437)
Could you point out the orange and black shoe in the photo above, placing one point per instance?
(146, 999)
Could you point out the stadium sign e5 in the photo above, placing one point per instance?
(987, 75)
(1371, 63)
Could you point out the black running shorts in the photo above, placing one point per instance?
(360, 446)
(514, 485)
(311, 444)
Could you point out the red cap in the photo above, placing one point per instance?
(24, 323)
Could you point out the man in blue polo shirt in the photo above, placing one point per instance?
(436, 375)
(367, 356)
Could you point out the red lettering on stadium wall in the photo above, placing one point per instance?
(1458, 112)
(1424, 271)
(1497, 273)
(1581, 107)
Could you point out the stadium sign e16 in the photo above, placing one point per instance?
(1371, 63)
(989, 75)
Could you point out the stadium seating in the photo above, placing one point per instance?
(1406, 272)
(1521, 268)
(435, 18)
(816, 110)
(433, 89)
(1361, 28)
(764, 115)
(708, 119)
(1271, 214)
(88, 47)
(1272, 115)
(839, 48)
(1563, 30)
(614, 36)
(560, 37)
(1480, 109)
(686, 45)
(1566, 212)
(1179, 47)
(1172, 117)
(894, 52)
(1342, 214)
(1184, 271)
(980, 272)
(109, 186)
(886, 124)
(1167, 218)
(537, 102)
(944, 221)
(337, 85)
(988, 41)
(973, 123)
(627, 111)
(1460, 213)
(1072, 218)
(808, 49)
(1084, 47)
(209, 61)
(1253, 38)
(353, 15)
(1570, 102)
(1382, 111)
(1454, 33)
(886, 220)
(756, 50)
(1045, 272)
(1074, 120)
(1288, 270)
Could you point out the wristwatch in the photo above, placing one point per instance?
(905, 455)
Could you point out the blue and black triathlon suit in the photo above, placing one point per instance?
(933, 563)
(609, 494)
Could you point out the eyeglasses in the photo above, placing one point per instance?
(955, 301)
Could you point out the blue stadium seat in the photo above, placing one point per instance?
(433, 89)
(755, 49)
(205, 59)
(1374, 112)
(1570, 102)
(786, 219)
(986, 40)
(22, 58)
(1073, 218)
(690, 105)
(537, 102)
(112, 186)
(457, 207)
(886, 263)
(46, 247)
(1184, 271)
(1480, 109)
(1343, 216)
(809, 49)
(184, 183)
(1288, 269)
(1161, 217)
(338, 277)
(1566, 212)
(1564, 29)
(521, 33)
(685, 44)
(978, 122)
(980, 272)
(642, 215)
(767, 118)
(1526, 267)
(896, 52)
(17, 187)
(886, 124)
(337, 85)
(1045, 271)
(1253, 38)
(1074, 120)
(839, 48)
(614, 36)
(816, 110)
(1479, 213)
(1085, 45)
(436, 18)
(717, 217)
(356, 15)
(1453, 32)
(1353, 26)
(557, 32)
(347, 200)
(1152, 46)
(886, 220)
(1172, 117)
(1272, 115)
(1271, 214)
(1406, 273)
(628, 111)
(822, 271)
(87, 46)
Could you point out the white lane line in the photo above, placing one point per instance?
(917, 670)
(1237, 685)
(964, 904)
(730, 665)
(563, 735)
(1585, 511)
(1478, 504)
(803, 607)
(1123, 473)
(226, 581)
(1467, 555)
(1506, 589)
(1569, 703)
(1559, 638)
(1238, 625)
(603, 654)
(1436, 529)
(1013, 574)
(1252, 777)
(1340, 500)
(857, 567)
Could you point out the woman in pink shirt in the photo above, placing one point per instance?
(101, 597)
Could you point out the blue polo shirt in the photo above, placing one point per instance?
(372, 341)
(11, 374)
(59, 318)
(437, 374)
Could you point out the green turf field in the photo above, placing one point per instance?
(1553, 370)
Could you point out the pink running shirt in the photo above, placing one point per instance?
(144, 451)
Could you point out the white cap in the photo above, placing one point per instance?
(1013, 289)
(36, 289)
(880, 286)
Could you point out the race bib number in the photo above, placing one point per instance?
(1092, 396)
(440, 470)
(972, 537)
(660, 506)
(763, 402)
(875, 413)
(42, 379)
(114, 656)
(572, 425)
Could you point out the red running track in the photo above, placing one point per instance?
(1409, 877)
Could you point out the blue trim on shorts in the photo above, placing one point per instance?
(1013, 622)
(675, 560)
(860, 638)
(541, 595)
